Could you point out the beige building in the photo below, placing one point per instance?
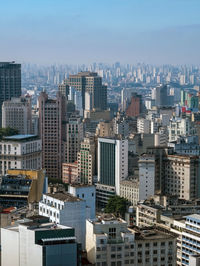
(181, 175)
(129, 189)
(104, 129)
(86, 161)
(110, 242)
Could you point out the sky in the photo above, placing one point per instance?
(87, 31)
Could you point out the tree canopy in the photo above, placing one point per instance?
(117, 205)
(8, 131)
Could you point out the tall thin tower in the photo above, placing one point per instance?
(10, 82)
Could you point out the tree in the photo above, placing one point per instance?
(8, 131)
(117, 205)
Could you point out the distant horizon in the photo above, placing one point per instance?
(70, 32)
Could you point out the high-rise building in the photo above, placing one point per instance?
(135, 107)
(86, 161)
(92, 83)
(16, 113)
(146, 176)
(74, 136)
(112, 161)
(52, 117)
(10, 82)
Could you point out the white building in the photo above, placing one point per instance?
(65, 209)
(180, 127)
(20, 152)
(87, 193)
(16, 113)
(146, 176)
(112, 161)
(37, 242)
(143, 125)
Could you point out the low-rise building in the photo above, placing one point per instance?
(129, 189)
(65, 209)
(20, 152)
(87, 193)
(35, 241)
(20, 188)
(110, 242)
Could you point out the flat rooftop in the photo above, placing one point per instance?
(66, 197)
(151, 234)
(20, 137)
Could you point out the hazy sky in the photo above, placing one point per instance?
(84, 31)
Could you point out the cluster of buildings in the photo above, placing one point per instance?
(73, 152)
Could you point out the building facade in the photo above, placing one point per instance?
(52, 115)
(16, 113)
(20, 152)
(86, 161)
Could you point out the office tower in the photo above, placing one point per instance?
(86, 161)
(160, 94)
(52, 115)
(75, 97)
(36, 241)
(92, 83)
(20, 152)
(121, 245)
(74, 136)
(112, 161)
(24, 187)
(146, 176)
(135, 106)
(17, 114)
(10, 82)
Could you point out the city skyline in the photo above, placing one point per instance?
(160, 32)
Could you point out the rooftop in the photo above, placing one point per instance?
(20, 137)
(150, 233)
(66, 197)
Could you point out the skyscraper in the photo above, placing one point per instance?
(10, 82)
(112, 161)
(92, 83)
(52, 115)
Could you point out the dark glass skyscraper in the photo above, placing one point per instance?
(10, 82)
